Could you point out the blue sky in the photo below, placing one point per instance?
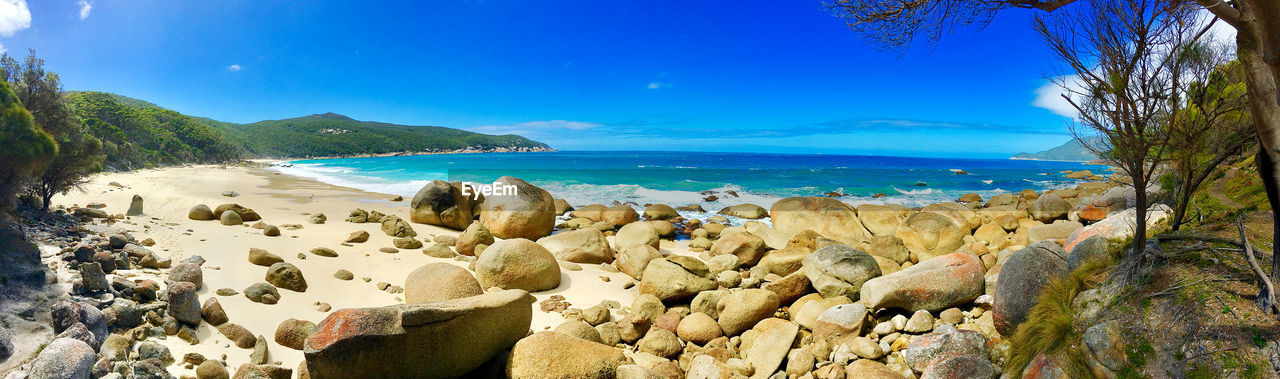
(767, 76)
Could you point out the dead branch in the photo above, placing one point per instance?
(1267, 297)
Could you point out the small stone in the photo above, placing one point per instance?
(920, 322)
(343, 274)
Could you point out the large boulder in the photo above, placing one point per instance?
(1057, 231)
(1049, 207)
(770, 346)
(959, 214)
(518, 264)
(528, 213)
(741, 310)
(184, 305)
(828, 217)
(747, 211)
(443, 204)
(1089, 248)
(932, 285)
(245, 214)
(476, 234)
(619, 215)
(64, 358)
(1021, 278)
(676, 278)
(579, 246)
(746, 246)
(559, 355)
(397, 227)
(286, 275)
(65, 314)
(1118, 226)
(426, 340)
(930, 234)
(440, 282)
(634, 259)
(135, 206)
(593, 212)
(883, 220)
(636, 233)
(839, 270)
(889, 247)
(660, 212)
(945, 343)
(201, 212)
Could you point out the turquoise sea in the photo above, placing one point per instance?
(680, 178)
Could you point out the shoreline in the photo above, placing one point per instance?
(413, 153)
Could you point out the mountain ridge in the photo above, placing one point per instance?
(1071, 151)
(138, 133)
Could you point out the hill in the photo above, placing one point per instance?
(1070, 151)
(137, 133)
(332, 134)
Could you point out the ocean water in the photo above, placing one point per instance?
(680, 178)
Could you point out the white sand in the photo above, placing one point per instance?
(169, 193)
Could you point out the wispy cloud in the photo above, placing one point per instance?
(14, 16)
(536, 127)
(660, 85)
(85, 7)
(233, 68)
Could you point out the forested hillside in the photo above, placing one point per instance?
(332, 134)
(136, 133)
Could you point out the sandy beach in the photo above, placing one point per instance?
(283, 199)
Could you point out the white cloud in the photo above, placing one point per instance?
(535, 127)
(14, 16)
(233, 68)
(660, 85)
(1221, 33)
(1049, 96)
(85, 7)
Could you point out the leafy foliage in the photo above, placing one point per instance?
(27, 148)
(332, 134)
(40, 92)
(138, 134)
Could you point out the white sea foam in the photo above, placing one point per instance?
(580, 194)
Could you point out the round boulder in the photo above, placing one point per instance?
(839, 270)
(579, 246)
(442, 203)
(522, 210)
(518, 264)
(439, 282)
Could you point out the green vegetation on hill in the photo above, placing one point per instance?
(136, 133)
(332, 134)
(1070, 151)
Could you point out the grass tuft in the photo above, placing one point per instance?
(1050, 326)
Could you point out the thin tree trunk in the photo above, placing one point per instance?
(1140, 213)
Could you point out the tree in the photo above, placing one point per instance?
(79, 153)
(1128, 61)
(1212, 127)
(896, 23)
(26, 150)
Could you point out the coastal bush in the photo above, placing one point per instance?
(79, 153)
(27, 148)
